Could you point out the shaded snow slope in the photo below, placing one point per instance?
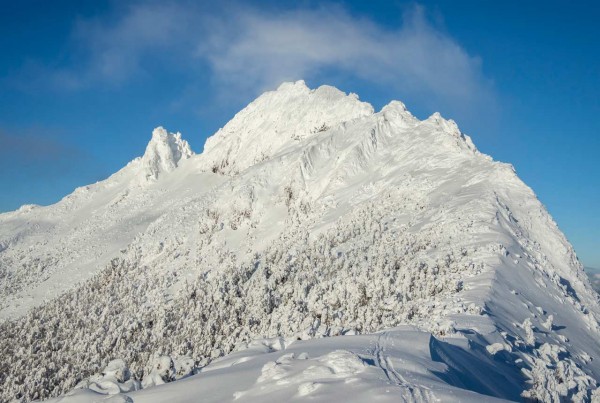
(307, 216)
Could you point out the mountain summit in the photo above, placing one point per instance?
(316, 249)
(280, 119)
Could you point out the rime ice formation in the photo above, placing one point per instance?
(315, 250)
(163, 153)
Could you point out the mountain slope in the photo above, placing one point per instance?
(46, 250)
(307, 215)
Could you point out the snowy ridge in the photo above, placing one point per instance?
(377, 224)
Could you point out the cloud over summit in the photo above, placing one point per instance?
(260, 49)
(246, 50)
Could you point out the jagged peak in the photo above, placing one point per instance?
(164, 152)
(293, 86)
(396, 111)
(449, 126)
(278, 119)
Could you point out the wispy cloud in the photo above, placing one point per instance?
(33, 149)
(256, 49)
(246, 50)
(113, 50)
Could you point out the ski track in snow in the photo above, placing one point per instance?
(408, 393)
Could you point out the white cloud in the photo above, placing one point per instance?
(258, 50)
(249, 50)
(112, 50)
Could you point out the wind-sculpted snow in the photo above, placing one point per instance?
(164, 152)
(338, 222)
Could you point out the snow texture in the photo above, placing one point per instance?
(315, 250)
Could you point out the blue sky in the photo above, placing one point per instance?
(83, 83)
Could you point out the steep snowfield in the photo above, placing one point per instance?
(311, 218)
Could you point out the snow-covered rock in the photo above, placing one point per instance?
(114, 379)
(164, 152)
(160, 371)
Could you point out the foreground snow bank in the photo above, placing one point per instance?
(397, 364)
(403, 363)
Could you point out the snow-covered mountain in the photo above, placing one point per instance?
(315, 249)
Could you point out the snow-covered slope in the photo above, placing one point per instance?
(307, 216)
(44, 251)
